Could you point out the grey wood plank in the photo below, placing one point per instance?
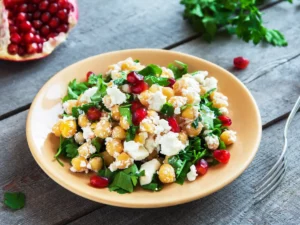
(103, 26)
(233, 204)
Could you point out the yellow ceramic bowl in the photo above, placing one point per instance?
(46, 106)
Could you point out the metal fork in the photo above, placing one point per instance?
(273, 178)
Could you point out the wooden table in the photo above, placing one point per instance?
(272, 77)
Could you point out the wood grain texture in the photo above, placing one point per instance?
(111, 25)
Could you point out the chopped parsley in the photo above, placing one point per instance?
(151, 70)
(167, 109)
(14, 200)
(74, 90)
(179, 70)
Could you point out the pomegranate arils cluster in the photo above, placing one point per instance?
(28, 24)
(137, 83)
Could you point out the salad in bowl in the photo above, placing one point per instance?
(144, 125)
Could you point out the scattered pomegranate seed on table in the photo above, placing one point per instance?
(226, 121)
(240, 62)
(99, 182)
(222, 156)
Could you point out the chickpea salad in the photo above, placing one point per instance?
(145, 125)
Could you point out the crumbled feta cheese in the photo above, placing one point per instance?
(199, 76)
(68, 105)
(212, 141)
(162, 127)
(68, 118)
(113, 166)
(150, 169)
(224, 111)
(92, 149)
(125, 88)
(156, 101)
(231, 136)
(170, 144)
(79, 138)
(86, 96)
(150, 144)
(220, 99)
(115, 74)
(117, 96)
(210, 83)
(166, 72)
(135, 150)
(191, 176)
(88, 134)
(82, 164)
(177, 102)
(177, 110)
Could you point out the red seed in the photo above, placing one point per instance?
(201, 166)
(99, 182)
(29, 16)
(90, 73)
(45, 17)
(28, 38)
(13, 29)
(36, 15)
(12, 49)
(40, 48)
(171, 82)
(43, 5)
(32, 48)
(25, 26)
(54, 22)
(15, 38)
(23, 8)
(62, 28)
(45, 30)
(222, 156)
(38, 39)
(36, 1)
(31, 8)
(134, 77)
(139, 87)
(240, 62)
(138, 116)
(37, 24)
(226, 121)
(53, 8)
(62, 14)
(52, 35)
(21, 17)
(136, 105)
(21, 51)
(93, 114)
(63, 4)
(174, 125)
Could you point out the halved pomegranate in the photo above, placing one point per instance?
(32, 29)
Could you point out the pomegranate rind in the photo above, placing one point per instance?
(49, 45)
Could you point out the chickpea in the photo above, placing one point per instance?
(103, 129)
(78, 164)
(107, 101)
(124, 161)
(148, 127)
(228, 137)
(193, 132)
(118, 132)
(84, 150)
(115, 113)
(124, 123)
(95, 164)
(141, 137)
(183, 137)
(190, 113)
(83, 121)
(168, 92)
(154, 88)
(79, 138)
(190, 98)
(114, 147)
(179, 86)
(68, 128)
(166, 174)
(108, 159)
(144, 97)
(56, 130)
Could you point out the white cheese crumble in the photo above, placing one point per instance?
(199, 76)
(88, 134)
(135, 150)
(79, 138)
(150, 169)
(113, 167)
(210, 83)
(82, 164)
(231, 136)
(224, 111)
(67, 106)
(220, 99)
(191, 176)
(125, 88)
(156, 101)
(170, 144)
(166, 72)
(117, 96)
(162, 127)
(68, 118)
(150, 144)
(86, 96)
(212, 141)
(177, 102)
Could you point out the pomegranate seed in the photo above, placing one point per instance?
(31, 8)
(201, 167)
(40, 48)
(222, 156)
(36, 1)
(21, 51)
(45, 17)
(28, 38)
(23, 8)
(93, 114)
(45, 30)
(135, 105)
(174, 125)
(32, 48)
(240, 62)
(53, 8)
(133, 77)
(54, 22)
(62, 28)
(139, 87)
(43, 5)
(13, 29)
(62, 14)
(21, 17)
(90, 73)
(171, 82)
(15, 8)
(38, 39)
(226, 121)
(25, 26)
(138, 116)
(29, 16)
(52, 35)
(12, 49)
(99, 182)
(37, 15)
(15, 38)
(63, 4)
(37, 24)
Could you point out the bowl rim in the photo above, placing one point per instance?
(112, 201)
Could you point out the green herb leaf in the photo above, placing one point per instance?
(120, 81)
(195, 123)
(179, 70)
(167, 109)
(76, 111)
(14, 200)
(161, 81)
(126, 112)
(107, 173)
(93, 79)
(101, 92)
(97, 143)
(71, 150)
(131, 132)
(74, 90)
(151, 70)
(136, 61)
(222, 145)
(155, 184)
